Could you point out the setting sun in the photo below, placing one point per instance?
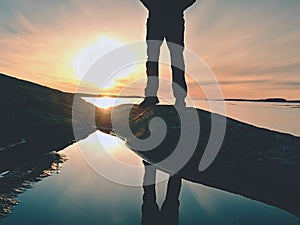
(90, 54)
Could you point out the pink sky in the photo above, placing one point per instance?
(251, 46)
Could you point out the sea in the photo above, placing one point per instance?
(110, 194)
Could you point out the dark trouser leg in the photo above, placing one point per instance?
(174, 187)
(178, 73)
(154, 39)
(150, 211)
(153, 51)
(170, 208)
(175, 40)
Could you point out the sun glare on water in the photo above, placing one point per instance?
(108, 102)
(105, 103)
(89, 55)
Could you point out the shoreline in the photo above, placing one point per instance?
(251, 163)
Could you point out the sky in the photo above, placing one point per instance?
(251, 46)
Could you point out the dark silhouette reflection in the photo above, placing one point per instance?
(165, 21)
(249, 155)
(169, 213)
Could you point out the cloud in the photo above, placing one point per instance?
(250, 45)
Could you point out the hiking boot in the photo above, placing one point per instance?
(149, 102)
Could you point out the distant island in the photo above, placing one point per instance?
(279, 100)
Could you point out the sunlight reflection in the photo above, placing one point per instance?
(107, 102)
(109, 156)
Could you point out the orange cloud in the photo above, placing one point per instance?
(252, 48)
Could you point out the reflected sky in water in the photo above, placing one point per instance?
(79, 195)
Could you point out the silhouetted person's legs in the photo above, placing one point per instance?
(166, 20)
(154, 39)
(170, 207)
(150, 211)
(175, 41)
(153, 51)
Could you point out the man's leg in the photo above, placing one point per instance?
(154, 41)
(150, 211)
(175, 41)
(153, 51)
(178, 74)
(170, 207)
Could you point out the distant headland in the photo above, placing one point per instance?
(278, 100)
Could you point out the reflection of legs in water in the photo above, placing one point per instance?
(170, 209)
(150, 211)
